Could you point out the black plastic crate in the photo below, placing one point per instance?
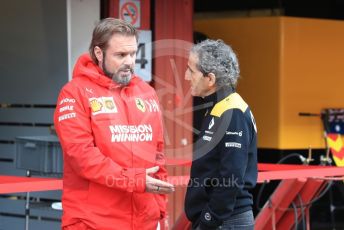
(42, 154)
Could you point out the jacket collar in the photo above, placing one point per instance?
(218, 95)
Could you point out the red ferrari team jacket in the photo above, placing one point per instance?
(109, 136)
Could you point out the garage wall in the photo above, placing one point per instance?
(288, 65)
(36, 48)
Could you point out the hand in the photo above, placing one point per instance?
(157, 186)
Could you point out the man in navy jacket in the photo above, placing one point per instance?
(224, 167)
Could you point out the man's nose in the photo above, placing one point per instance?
(129, 60)
(187, 75)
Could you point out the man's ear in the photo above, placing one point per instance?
(98, 53)
(212, 79)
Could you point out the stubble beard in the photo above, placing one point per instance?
(122, 79)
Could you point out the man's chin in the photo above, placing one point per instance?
(123, 80)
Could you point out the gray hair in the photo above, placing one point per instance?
(214, 56)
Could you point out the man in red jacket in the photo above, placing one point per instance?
(110, 127)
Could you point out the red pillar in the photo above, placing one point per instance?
(173, 21)
(173, 35)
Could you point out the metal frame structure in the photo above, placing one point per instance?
(299, 186)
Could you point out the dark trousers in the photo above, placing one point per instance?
(242, 221)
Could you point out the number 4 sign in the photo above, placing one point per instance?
(143, 63)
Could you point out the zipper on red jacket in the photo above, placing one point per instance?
(125, 98)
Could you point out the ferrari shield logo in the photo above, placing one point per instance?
(140, 104)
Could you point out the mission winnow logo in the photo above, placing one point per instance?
(131, 133)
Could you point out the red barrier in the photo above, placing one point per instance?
(296, 179)
(309, 190)
(307, 181)
(13, 184)
(273, 210)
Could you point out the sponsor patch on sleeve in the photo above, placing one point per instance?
(67, 100)
(67, 116)
(66, 109)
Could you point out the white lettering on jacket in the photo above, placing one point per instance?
(233, 145)
(234, 133)
(131, 133)
(67, 116)
(67, 100)
(152, 105)
(207, 138)
(67, 107)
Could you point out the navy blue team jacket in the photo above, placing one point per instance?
(224, 166)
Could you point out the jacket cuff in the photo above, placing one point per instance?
(136, 179)
(208, 220)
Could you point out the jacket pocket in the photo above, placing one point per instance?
(146, 205)
(108, 201)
